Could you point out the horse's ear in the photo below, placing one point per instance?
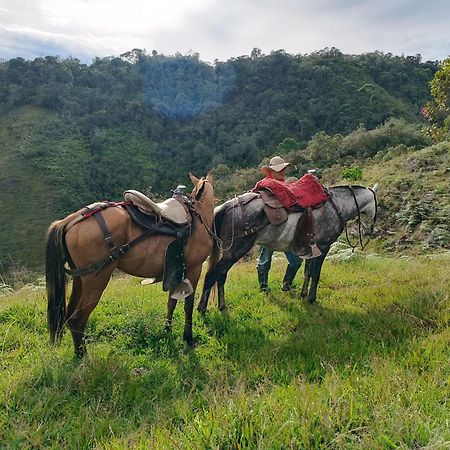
(194, 179)
(375, 188)
(209, 178)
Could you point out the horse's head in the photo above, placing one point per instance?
(368, 212)
(203, 191)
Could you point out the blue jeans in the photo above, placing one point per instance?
(265, 260)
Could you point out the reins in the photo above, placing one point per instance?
(344, 224)
(363, 246)
(211, 233)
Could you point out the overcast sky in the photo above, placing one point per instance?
(220, 29)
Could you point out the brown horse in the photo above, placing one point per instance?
(83, 245)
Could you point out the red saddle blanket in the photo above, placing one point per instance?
(306, 192)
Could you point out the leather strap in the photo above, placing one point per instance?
(115, 252)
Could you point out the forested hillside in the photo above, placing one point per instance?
(72, 133)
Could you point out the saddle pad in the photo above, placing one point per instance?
(100, 206)
(146, 221)
(279, 189)
(306, 192)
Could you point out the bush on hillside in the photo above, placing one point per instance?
(363, 143)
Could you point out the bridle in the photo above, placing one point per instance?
(192, 204)
(344, 224)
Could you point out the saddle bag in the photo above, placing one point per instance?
(275, 211)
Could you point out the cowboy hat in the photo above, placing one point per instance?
(277, 164)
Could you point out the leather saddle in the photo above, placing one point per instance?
(170, 209)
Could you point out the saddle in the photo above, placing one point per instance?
(304, 233)
(170, 209)
(275, 211)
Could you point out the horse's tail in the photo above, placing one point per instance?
(55, 278)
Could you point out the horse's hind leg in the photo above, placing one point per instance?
(222, 272)
(307, 277)
(210, 281)
(218, 274)
(85, 297)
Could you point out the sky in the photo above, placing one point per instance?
(219, 29)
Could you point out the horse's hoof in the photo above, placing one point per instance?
(189, 341)
(201, 310)
(79, 355)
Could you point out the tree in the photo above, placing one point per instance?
(437, 111)
(288, 144)
(352, 173)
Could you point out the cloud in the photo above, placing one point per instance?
(217, 29)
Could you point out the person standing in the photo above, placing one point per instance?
(276, 170)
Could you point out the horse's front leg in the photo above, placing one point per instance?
(192, 275)
(188, 310)
(171, 305)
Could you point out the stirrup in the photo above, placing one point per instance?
(183, 290)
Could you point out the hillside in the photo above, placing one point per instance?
(72, 133)
(414, 178)
(26, 203)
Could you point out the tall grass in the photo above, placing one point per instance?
(367, 367)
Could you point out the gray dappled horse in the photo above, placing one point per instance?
(241, 222)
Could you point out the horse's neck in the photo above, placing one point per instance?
(348, 204)
(205, 209)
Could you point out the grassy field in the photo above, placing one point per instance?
(367, 367)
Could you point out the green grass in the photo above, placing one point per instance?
(367, 367)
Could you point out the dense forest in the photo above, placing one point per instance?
(71, 133)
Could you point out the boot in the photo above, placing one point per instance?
(288, 278)
(263, 278)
